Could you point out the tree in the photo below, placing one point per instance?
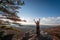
(9, 9)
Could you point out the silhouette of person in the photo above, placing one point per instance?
(37, 28)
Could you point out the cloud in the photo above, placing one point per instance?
(50, 20)
(44, 21)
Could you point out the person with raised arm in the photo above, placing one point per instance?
(37, 28)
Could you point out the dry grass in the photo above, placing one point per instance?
(54, 32)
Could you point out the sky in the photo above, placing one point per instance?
(47, 10)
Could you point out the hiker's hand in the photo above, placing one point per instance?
(34, 21)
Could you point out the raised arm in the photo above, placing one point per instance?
(34, 21)
(39, 20)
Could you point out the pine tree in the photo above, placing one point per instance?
(9, 9)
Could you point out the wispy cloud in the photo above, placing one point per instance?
(44, 21)
(50, 20)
